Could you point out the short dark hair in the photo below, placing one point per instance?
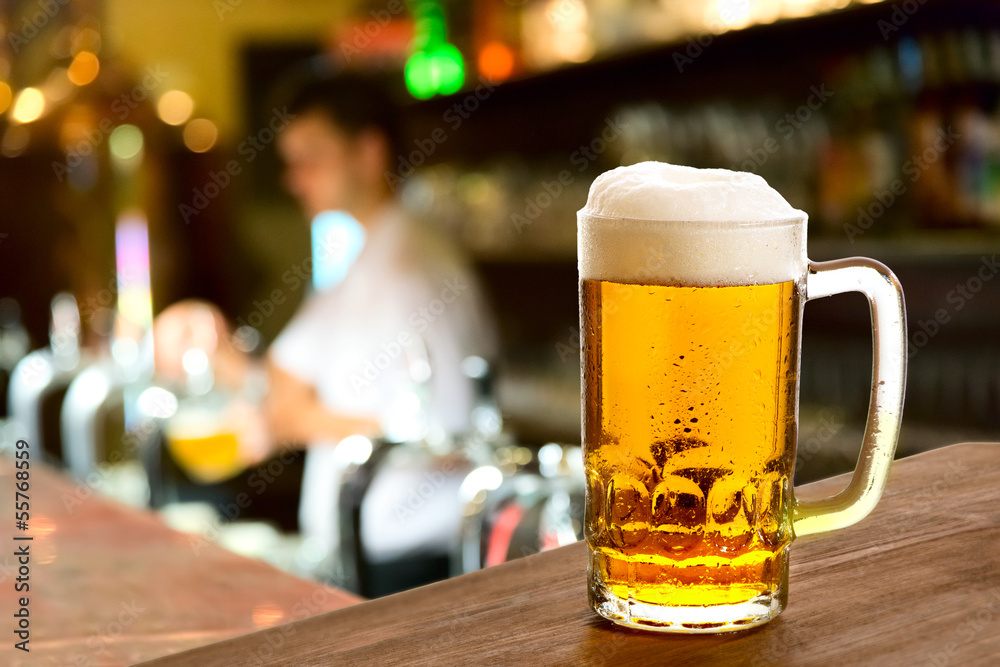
(353, 101)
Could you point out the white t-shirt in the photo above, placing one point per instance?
(407, 301)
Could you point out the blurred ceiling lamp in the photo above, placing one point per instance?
(175, 107)
(84, 68)
(733, 14)
(556, 32)
(6, 95)
(436, 67)
(440, 71)
(766, 11)
(800, 8)
(496, 61)
(29, 106)
(574, 47)
(200, 135)
(569, 20)
(567, 15)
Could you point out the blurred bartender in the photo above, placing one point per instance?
(354, 356)
(349, 354)
(381, 349)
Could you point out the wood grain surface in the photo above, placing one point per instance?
(916, 583)
(111, 585)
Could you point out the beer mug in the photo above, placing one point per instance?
(692, 287)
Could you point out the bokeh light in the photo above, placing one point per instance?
(200, 135)
(78, 122)
(496, 61)
(84, 68)
(57, 86)
(29, 106)
(125, 142)
(435, 71)
(418, 76)
(15, 140)
(5, 96)
(175, 107)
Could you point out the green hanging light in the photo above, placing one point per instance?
(435, 67)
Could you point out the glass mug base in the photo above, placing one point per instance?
(690, 619)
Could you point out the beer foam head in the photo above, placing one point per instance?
(656, 223)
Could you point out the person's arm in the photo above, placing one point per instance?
(296, 416)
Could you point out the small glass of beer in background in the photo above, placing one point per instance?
(692, 286)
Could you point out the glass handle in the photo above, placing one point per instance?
(885, 409)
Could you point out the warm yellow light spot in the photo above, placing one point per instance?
(5, 96)
(84, 68)
(200, 135)
(557, 31)
(567, 15)
(15, 140)
(175, 107)
(29, 105)
(57, 86)
(78, 123)
(732, 14)
(496, 61)
(799, 8)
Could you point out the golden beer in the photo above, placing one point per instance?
(208, 452)
(692, 283)
(689, 442)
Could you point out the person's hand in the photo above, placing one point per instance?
(193, 324)
(248, 423)
(296, 416)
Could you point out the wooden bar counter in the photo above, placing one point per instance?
(916, 583)
(110, 585)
